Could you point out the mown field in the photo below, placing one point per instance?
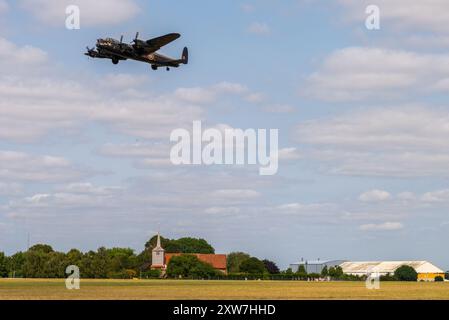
(218, 290)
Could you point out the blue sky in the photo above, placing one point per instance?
(362, 118)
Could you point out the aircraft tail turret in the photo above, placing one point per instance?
(185, 56)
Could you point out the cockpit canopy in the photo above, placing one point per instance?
(107, 41)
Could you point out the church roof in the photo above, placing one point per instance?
(158, 246)
(218, 261)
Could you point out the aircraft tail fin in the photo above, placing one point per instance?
(185, 56)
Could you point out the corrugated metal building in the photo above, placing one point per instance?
(315, 266)
(426, 270)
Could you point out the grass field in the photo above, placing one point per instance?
(217, 290)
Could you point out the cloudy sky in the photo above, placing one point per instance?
(362, 116)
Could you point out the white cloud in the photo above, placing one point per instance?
(429, 15)
(4, 7)
(123, 80)
(13, 56)
(436, 196)
(279, 108)
(19, 166)
(229, 88)
(406, 196)
(375, 196)
(49, 104)
(148, 154)
(358, 73)
(195, 95)
(289, 154)
(222, 210)
(134, 150)
(256, 97)
(395, 141)
(387, 226)
(89, 188)
(235, 194)
(10, 189)
(93, 13)
(206, 95)
(34, 103)
(74, 196)
(306, 209)
(246, 7)
(258, 28)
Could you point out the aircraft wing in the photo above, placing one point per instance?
(157, 43)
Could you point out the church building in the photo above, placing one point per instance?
(160, 259)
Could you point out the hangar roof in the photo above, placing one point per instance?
(388, 266)
(312, 262)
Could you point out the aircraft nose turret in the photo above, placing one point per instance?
(100, 43)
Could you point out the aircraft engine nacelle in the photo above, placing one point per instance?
(139, 43)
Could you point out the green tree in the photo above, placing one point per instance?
(439, 279)
(234, 260)
(182, 245)
(192, 245)
(189, 266)
(324, 272)
(301, 273)
(289, 271)
(100, 263)
(446, 275)
(3, 265)
(54, 266)
(45, 248)
(336, 272)
(271, 267)
(15, 264)
(143, 260)
(94, 265)
(301, 269)
(150, 244)
(406, 273)
(252, 266)
(35, 264)
(121, 259)
(73, 257)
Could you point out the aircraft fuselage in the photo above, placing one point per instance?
(144, 51)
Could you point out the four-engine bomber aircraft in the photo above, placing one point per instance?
(138, 50)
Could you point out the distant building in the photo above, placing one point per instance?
(315, 266)
(426, 270)
(160, 259)
(218, 261)
(158, 255)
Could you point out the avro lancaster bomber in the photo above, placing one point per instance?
(139, 50)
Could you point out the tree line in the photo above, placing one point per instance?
(42, 261)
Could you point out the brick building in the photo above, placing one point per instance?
(160, 259)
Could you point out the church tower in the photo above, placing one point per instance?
(158, 255)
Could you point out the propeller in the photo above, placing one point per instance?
(90, 52)
(136, 39)
(122, 45)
